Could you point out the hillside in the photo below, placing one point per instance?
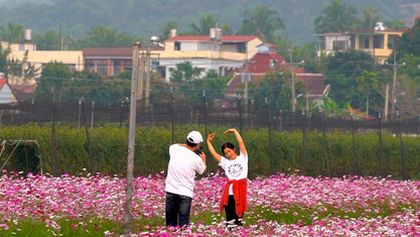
(148, 17)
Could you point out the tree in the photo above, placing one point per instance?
(13, 33)
(49, 40)
(53, 75)
(213, 84)
(342, 69)
(410, 40)
(369, 18)
(276, 87)
(262, 22)
(332, 109)
(365, 85)
(167, 28)
(203, 28)
(29, 70)
(206, 23)
(336, 17)
(182, 76)
(396, 24)
(102, 36)
(4, 62)
(92, 87)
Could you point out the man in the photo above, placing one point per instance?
(185, 161)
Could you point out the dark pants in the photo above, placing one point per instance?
(178, 209)
(231, 212)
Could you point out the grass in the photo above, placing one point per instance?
(96, 227)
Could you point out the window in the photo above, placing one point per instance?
(378, 41)
(162, 71)
(364, 42)
(241, 48)
(339, 44)
(177, 46)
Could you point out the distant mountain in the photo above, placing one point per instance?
(19, 2)
(148, 17)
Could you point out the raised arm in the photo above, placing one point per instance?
(213, 152)
(239, 139)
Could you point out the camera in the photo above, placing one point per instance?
(199, 150)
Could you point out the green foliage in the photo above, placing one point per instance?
(103, 36)
(50, 40)
(368, 19)
(332, 109)
(4, 53)
(182, 78)
(276, 87)
(203, 28)
(167, 28)
(262, 21)
(342, 71)
(70, 86)
(410, 40)
(53, 76)
(336, 17)
(396, 24)
(138, 18)
(331, 155)
(13, 33)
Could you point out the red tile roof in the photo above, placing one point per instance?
(260, 63)
(225, 38)
(314, 82)
(234, 85)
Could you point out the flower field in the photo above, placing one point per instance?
(279, 205)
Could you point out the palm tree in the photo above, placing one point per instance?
(166, 29)
(336, 17)
(13, 33)
(396, 24)
(369, 18)
(102, 36)
(203, 28)
(263, 22)
(49, 40)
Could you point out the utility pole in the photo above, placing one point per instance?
(292, 82)
(140, 74)
(131, 142)
(386, 102)
(147, 78)
(394, 85)
(245, 78)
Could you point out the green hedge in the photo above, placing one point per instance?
(332, 156)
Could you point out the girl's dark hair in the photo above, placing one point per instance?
(228, 145)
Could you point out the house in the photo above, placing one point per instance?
(7, 96)
(378, 42)
(222, 53)
(28, 52)
(107, 61)
(265, 61)
(315, 87)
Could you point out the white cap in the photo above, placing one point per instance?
(195, 137)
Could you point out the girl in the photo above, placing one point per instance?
(236, 169)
